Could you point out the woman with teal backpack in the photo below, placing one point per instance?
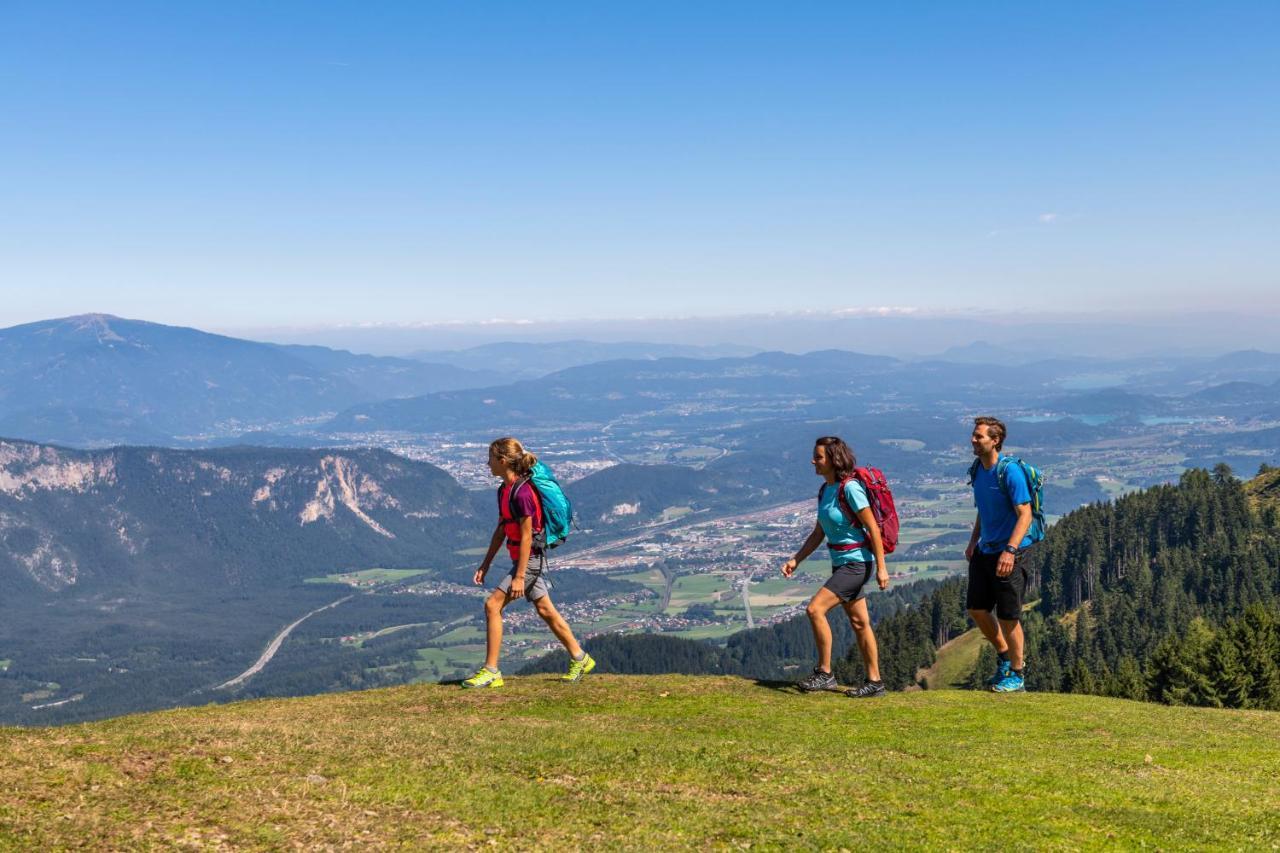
(848, 525)
(530, 519)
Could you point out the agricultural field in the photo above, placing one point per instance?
(369, 577)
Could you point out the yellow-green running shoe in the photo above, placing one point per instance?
(579, 668)
(484, 678)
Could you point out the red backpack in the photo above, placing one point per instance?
(881, 500)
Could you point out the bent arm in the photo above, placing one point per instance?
(526, 545)
(872, 527)
(1024, 524)
(811, 544)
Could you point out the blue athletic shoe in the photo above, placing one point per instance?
(1003, 670)
(1011, 683)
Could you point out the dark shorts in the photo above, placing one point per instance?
(535, 584)
(849, 582)
(987, 591)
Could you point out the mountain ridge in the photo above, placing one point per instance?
(98, 379)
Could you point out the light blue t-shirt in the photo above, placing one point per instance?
(838, 528)
(996, 509)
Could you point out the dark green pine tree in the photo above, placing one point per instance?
(1082, 678)
(1232, 681)
(1127, 681)
(1179, 669)
(1256, 636)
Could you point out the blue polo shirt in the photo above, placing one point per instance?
(996, 509)
(838, 528)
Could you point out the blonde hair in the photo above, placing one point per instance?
(512, 452)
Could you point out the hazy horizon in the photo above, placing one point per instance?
(881, 332)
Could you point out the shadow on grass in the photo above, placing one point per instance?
(782, 686)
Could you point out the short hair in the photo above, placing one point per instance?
(995, 428)
(839, 454)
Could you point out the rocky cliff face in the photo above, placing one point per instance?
(75, 518)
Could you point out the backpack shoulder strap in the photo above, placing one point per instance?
(973, 470)
(538, 519)
(843, 500)
(1002, 476)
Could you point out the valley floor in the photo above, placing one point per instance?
(643, 762)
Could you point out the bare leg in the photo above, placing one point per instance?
(822, 601)
(558, 625)
(990, 629)
(1012, 630)
(860, 620)
(493, 627)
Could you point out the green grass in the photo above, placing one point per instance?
(652, 578)
(694, 589)
(459, 635)
(713, 632)
(673, 513)
(4, 664)
(955, 660)
(368, 576)
(648, 763)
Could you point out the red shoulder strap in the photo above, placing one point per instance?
(844, 500)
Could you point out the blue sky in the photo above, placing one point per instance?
(248, 164)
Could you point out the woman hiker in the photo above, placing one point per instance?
(855, 546)
(519, 519)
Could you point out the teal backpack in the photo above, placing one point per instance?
(557, 510)
(1035, 483)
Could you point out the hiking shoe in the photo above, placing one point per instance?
(579, 668)
(1011, 683)
(1004, 669)
(817, 680)
(484, 678)
(869, 690)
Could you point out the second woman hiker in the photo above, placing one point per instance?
(520, 518)
(853, 538)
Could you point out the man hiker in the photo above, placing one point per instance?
(997, 579)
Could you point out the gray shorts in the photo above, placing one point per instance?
(535, 584)
(849, 582)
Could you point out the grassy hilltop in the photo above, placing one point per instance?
(649, 761)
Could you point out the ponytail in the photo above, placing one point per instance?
(512, 452)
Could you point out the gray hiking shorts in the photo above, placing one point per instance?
(849, 582)
(535, 584)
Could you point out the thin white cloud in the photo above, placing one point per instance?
(1048, 218)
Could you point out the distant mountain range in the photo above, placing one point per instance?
(825, 383)
(96, 380)
(525, 360)
(99, 380)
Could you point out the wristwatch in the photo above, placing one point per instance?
(1009, 549)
